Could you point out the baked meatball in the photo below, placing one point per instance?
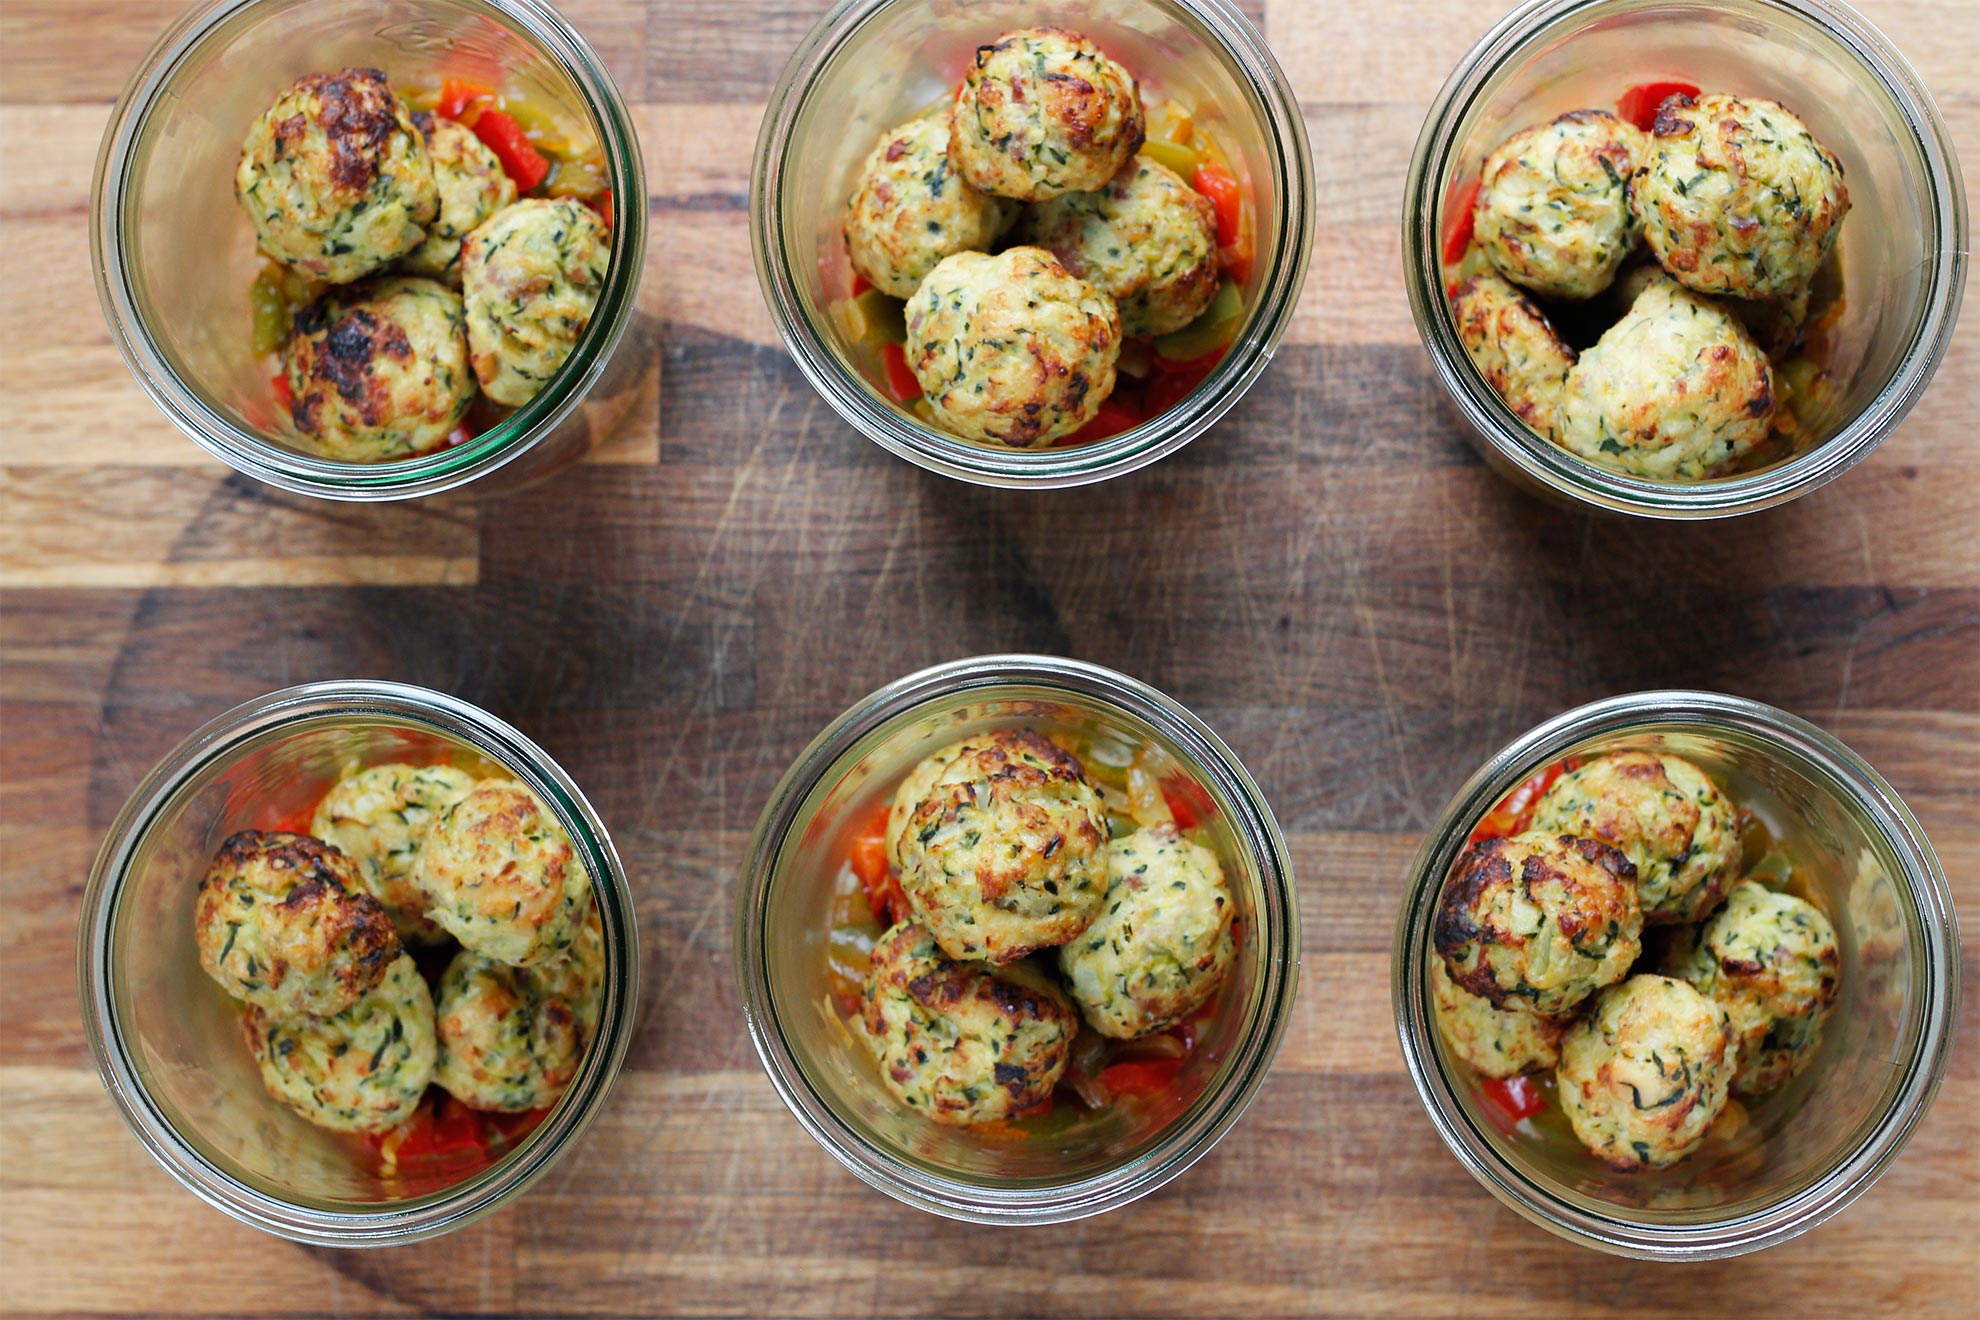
(1675, 391)
(1553, 203)
(361, 1070)
(530, 276)
(962, 1042)
(511, 1038)
(1042, 112)
(282, 922)
(335, 177)
(1665, 814)
(1736, 196)
(1162, 943)
(1541, 921)
(1011, 349)
(379, 370)
(1514, 346)
(473, 186)
(500, 876)
(378, 817)
(1147, 239)
(1493, 1042)
(1770, 960)
(1643, 1075)
(1004, 850)
(911, 208)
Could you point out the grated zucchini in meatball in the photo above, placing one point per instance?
(379, 370)
(1553, 203)
(473, 186)
(530, 277)
(335, 177)
(282, 922)
(911, 208)
(1042, 112)
(1539, 920)
(1492, 1041)
(962, 1042)
(501, 876)
(1514, 346)
(512, 1038)
(378, 818)
(361, 1070)
(1646, 1072)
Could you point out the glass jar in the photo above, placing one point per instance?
(871, 64)
(1811, 1148)
(1902, 249)
(167, 1041)
(175, 257)
(826, 1077)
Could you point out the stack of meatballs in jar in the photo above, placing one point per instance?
(1003, 850)
(420, 275)
(316, 936)
(1738, 206)
(1019, 346)
(1542, 961)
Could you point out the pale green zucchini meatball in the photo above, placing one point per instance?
(1772, 962)
(1675, 391)
(1553, 203)
(531, 275)
(378, 817)
(1646, 1072)
(361, 1070)
(1736, 197)
(283, 922)
(512, 1038)
(1492, 1041)
(1041, 112)
(1012, 349)
(962, 1042)
(473, 186)
(1162, 943)
(335, 177)
(1147, 239)
(500, 875)
(1666, 815)
(1514, 346)
(911, 208)
(1004, 851)
(379, 370)
(1539, 920)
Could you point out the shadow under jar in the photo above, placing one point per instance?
(1106, 1157)
(175, 256)
(1812, 1147)
(167, 1040)
(870, 65)
(1900, 254)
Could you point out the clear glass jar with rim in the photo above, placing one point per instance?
(1902, 248)
(167, 1040)
(871, 64)
(175, 257)
(783, 928)
(1806, 1151)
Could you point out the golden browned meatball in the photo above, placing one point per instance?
(1553, 203)
(1043, 112)
(512, 1038)
(530, 279)
(282, 921)
(1492, 1041)
(473, 186)
(1514, 346)
(1644, 1075)
(378, 817)
(962, 1042)
(500, 875)
(1540, 920)
(1003, 850)
(911, 208)
(336, 178)
(379, 370)
(361, 1070)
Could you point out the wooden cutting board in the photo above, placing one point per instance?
(1331, 579)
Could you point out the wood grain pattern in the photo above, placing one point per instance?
(1332, 580)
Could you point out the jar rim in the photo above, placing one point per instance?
(1919, 881)
(218, 742)
(1282, 280)
(1554, 468)
(1190, 1136)
(113, 202)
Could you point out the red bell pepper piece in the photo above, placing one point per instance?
(1216, 183)
(1115, 416)
(602, 204)
(1639, 105)
(1188, 802)
(284, 396)
(1515, 811)
(1460, 217)
(463, 100)
(900, 377)
(867, 855)
(1173, 383)
(522, 162)
(1140, 1076)
(859, 284)
(1513, 1098)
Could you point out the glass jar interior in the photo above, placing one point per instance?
(797, 922)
